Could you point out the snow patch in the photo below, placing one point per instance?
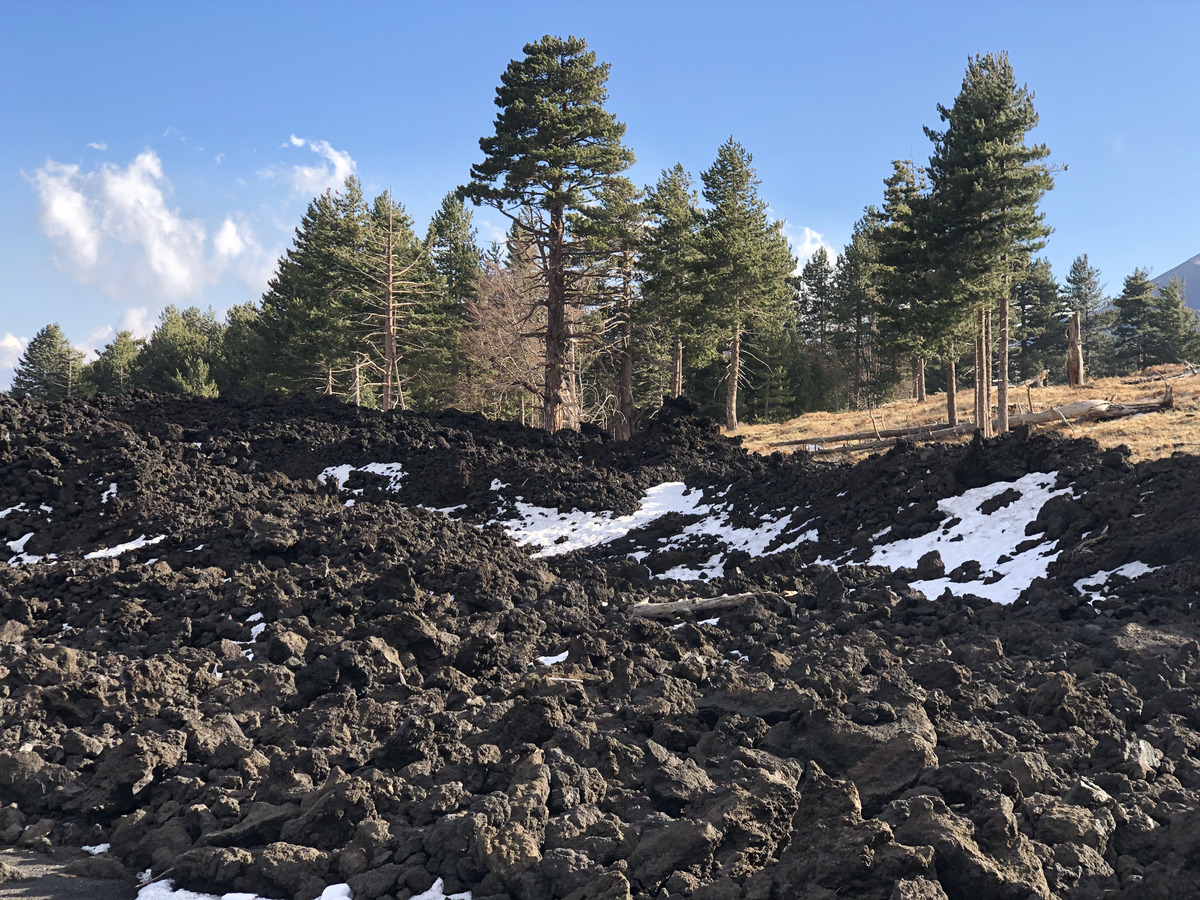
(165, 890)
(394, 472)
(109, 493)
(1091, 585)
(551, 660)
(136, 544)
(983, 537)
(96, 849)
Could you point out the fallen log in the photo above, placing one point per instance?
(672, 608)
(863, 435)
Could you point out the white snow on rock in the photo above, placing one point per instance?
(165, 890)
(982, 537)
(394, 472)
(1092, 585)
(551, 660)
(136, 544)
(557, 532)
(109, 492)
(20, 557)
(437, 892)
(96, 849)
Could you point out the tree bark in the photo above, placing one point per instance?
(1002, 377)
(918, 367)
(987, 363)
(735, 365)
(623, 427)
(1074, 352)
(951, 391)
(677, 367)
(557, 331)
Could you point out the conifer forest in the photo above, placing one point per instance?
(606, 296)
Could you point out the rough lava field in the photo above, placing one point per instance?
(299, 650)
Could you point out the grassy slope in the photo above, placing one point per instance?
(1149, 436)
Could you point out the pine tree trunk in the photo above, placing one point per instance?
(951, 392)
(677, 368)
(623, 429)
(919, 379)
(389, 320)
(735, 365)
(1002, 376)
(987, 366)
(557, 331)
(1074, 351)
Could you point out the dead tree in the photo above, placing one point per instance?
(1074, 352)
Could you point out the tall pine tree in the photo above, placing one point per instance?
(49, 369)
(745, 260)
(671, 311)
(986, 183)
(554, 150)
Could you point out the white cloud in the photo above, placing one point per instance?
(115, 228)
(98, 145)
(311, 180)
(138, 319)
(219, 158)
(94, 342)
(66, 216)
(805, 245)
(11, 349)
(228, 240)
(136, 212)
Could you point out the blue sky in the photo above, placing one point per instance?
(159, 153)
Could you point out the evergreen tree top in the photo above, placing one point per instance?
(554, 139)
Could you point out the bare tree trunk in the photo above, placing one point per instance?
(1074, 351)
(389, 316)
(1002, 376)
(918, 364)
(522, 406)
(558, 332)
(735, 366)
(983, 416)
(623, 427)
(951, 391)
(987, 363)
(329, 381)
(677, 367)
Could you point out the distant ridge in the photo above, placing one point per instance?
(1188, 272)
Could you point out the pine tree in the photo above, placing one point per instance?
(744, 258)
(1039, 321)
(454, 249)
(112, 372)
(985, 187)
(554, 149)
(818, 294)
(1083, 293)
(611, 237)
(1172, 333)
(918, 317)
(308, 310)
(1135, 309)
(181, 353)
(670, 309)
(245, 359)
(856, 310)
(49, 369)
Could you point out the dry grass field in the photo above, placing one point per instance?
(1149, 435)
